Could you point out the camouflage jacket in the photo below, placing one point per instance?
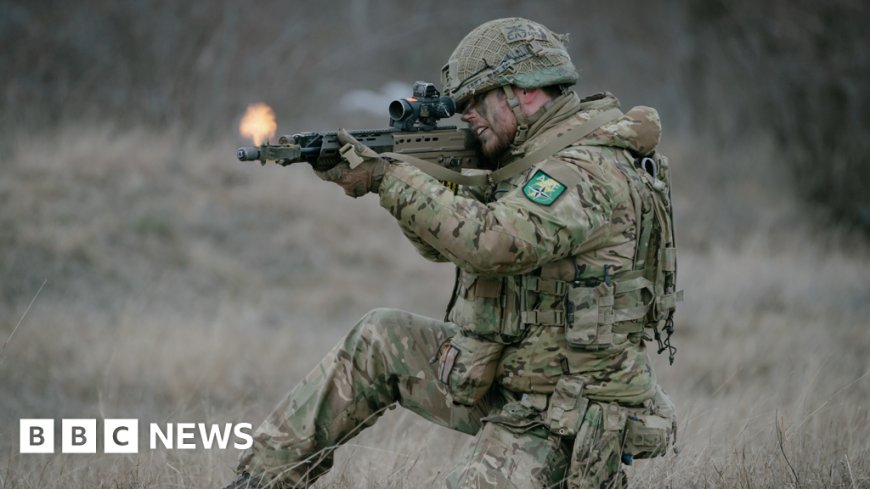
(567, 219)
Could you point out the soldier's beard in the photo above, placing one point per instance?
(498, 124)
(496, 141)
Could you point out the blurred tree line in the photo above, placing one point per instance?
(800, 71)
(722, 73)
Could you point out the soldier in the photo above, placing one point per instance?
(565, 266)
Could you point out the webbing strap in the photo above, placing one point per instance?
(545, 286)
(630, 313)
(646, 228)
(630, 285)
(669, 260)
(624, 318)
(543, 318)
(669, 301)
(627, 327)
(560, 142)
(636, 190)
(439, 172)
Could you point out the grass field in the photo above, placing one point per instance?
(147, 275)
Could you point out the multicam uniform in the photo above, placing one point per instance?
(542, 357)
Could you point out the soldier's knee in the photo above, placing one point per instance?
(371, 323)
(378, 321)
(381, 315)
(504, 458)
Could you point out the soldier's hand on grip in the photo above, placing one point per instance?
(361, 171)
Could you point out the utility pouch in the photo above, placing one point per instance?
(516, 417)
(595, 454)
(649, 432)
(467, 365)
(567, 406)
(488, 307)
(589, 316)
(647, 435)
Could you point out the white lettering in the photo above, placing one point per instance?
(247, 436)
(185, 431)
(215, 433)
(75, 436)
(121, 436)
(36, 436)
(165, 438)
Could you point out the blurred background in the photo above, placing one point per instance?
(144, 272)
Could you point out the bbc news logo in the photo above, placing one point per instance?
(122, 436)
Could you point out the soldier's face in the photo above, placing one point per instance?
(490, 118)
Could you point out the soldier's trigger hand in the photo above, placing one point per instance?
(355, 182)
(335, 173)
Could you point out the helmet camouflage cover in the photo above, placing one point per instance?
(511, 51)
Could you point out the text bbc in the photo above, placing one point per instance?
(122, 436)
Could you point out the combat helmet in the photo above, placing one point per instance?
(502, 52)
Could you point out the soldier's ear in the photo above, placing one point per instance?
(528, 96)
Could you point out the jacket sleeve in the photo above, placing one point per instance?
(423, 248)
(513, 235)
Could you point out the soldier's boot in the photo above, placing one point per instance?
(384, 359)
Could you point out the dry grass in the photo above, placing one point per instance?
(181, 286)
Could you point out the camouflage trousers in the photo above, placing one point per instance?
(387, 359)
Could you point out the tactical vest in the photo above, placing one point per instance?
(590, 308)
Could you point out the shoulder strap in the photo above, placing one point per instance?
(560, 142)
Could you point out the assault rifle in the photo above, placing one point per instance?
(413, 131)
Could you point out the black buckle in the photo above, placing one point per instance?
(666, 343)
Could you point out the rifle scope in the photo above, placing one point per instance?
(422, 110)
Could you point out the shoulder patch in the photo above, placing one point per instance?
(543, 189)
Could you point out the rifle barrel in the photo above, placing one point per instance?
(248, 153)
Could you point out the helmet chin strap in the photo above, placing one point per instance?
(523, 121)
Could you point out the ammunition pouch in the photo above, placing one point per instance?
(636, 432)
(488, 307)
(517, 417)
(594, 310)
(589, 316)
(567, 406)
(597, 448)
(611, 434)
(649, 431)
